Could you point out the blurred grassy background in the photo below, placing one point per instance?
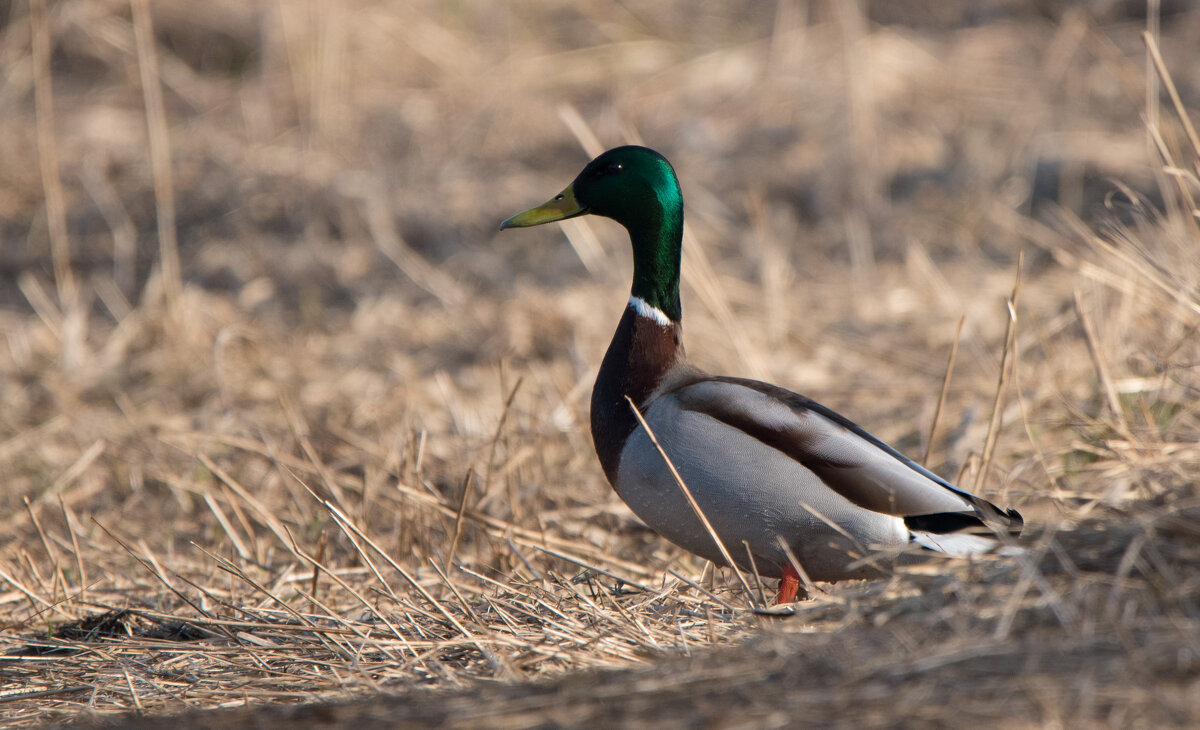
(346, 317)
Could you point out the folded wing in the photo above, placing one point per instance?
(848, 459)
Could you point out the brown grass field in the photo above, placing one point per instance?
(287, 427)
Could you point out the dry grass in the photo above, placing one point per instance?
(343, 450)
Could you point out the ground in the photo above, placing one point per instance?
(289, 428)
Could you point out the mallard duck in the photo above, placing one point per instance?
(772, 471)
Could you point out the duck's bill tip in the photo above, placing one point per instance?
(560, 207)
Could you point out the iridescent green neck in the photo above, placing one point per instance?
(657, 242)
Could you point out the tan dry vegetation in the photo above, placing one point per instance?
(345, 452)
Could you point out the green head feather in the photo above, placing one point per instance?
(636, 187)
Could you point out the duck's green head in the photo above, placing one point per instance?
(636, 187)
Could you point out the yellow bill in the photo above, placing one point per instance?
(561, 207)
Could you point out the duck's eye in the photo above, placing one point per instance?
(560, 196)
(611, 169)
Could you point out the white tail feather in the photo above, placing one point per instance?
(959, 543)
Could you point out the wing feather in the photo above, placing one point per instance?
(846, 457)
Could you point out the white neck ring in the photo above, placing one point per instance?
(643, 309)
